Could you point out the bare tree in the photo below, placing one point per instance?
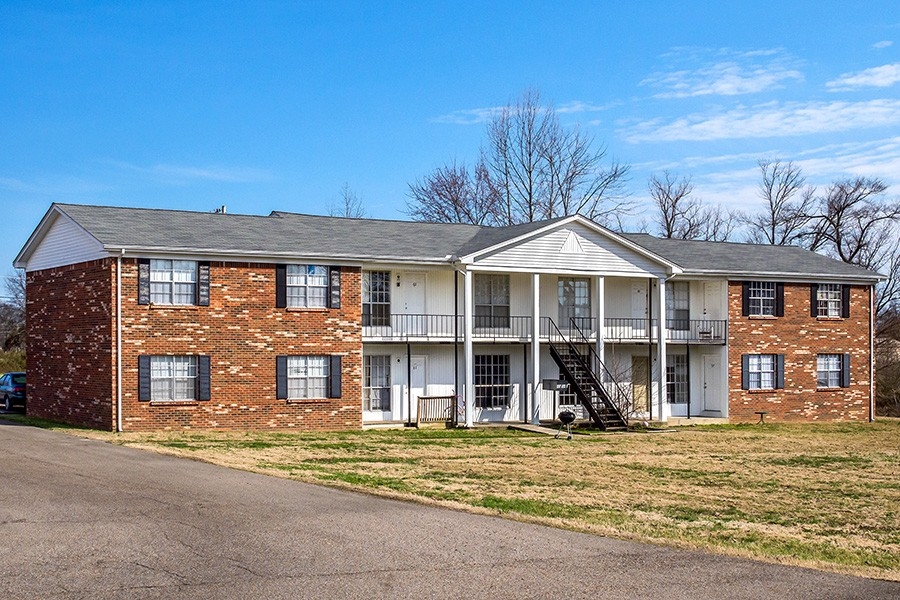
(349, 205)
(450, 194)
(12, 312)
(788, 206)
(537, 168)
(855, 222)
(678, 212)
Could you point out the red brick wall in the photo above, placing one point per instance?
(243, 332)
(69, 320)
(800, 338)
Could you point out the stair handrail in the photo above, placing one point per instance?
(623, 405)
(623, 401)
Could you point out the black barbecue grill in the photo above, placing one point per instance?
(566, 418)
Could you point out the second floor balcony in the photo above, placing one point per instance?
(512, 329)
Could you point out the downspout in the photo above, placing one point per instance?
(456, 342)
(650, 349)
(119, 341)
(871, 353)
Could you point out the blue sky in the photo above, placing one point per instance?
(275, 105)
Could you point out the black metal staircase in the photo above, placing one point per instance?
(579, 364)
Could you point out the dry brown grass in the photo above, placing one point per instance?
(824, 495)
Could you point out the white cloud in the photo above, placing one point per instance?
(771, 119)
(180, 174)
(474, 116)
(882, 44)
(883, 76)
(724, 72)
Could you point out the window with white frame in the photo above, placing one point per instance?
(829, 370)
(376, 298)
(828, 299)
(173, 281)
(677, 378)
(173, 378)
(762, 298)
(307, 377)
(678, 304)
(761, 371)
(492, 380)
(574, 302)
(491, 300)
(377, 382)
(307, 286)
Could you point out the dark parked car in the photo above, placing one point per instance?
(12, 390)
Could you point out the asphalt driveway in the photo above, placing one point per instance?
(85, 519)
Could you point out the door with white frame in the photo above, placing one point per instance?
(413, 298)
(378, 403)
(496, 397)
(712, 399)
(418, 386)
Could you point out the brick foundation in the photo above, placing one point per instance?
(800, 338)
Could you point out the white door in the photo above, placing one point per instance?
(417, 384)
(639, 309)
(712, 291)
(414, 293)
(712, 385)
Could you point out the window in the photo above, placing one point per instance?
(491, 380)
(762, 298)
(678, 305)
(574, 302)
(829, 300)
(677, 378)
(307, 286)
(307, 377)
(173, 281)
(376, 298)
(491, 300)
(832, 370)
(762, 371)
(173, 378)
(377, 383)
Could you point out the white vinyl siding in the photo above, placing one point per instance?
(65, 243)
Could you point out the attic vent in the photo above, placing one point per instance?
(572, 245)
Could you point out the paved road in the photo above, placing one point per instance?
(85, 519)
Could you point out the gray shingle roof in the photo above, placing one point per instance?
(290, 234)
(734, 258)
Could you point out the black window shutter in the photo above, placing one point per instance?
(202, 283)
(281, 287)
(745, 298)
(779, 299)
(814, 300)
(779, 371)
(845, 373)
(144, 281)
(745, 371)
(334, 376)
(203, 383)
(334, 290)
(144, 378)
(281, 379)
(845, 301)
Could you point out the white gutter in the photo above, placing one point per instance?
(119, 341)
(871, 353)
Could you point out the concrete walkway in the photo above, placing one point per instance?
(85, 519)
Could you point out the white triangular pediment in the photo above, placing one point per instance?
(572, 245)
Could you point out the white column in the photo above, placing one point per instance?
(664, 411)
(469, 352)
(601, 318)
(536, 349)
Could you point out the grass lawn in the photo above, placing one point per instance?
(825, 496)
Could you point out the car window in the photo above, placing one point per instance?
(18, 378)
